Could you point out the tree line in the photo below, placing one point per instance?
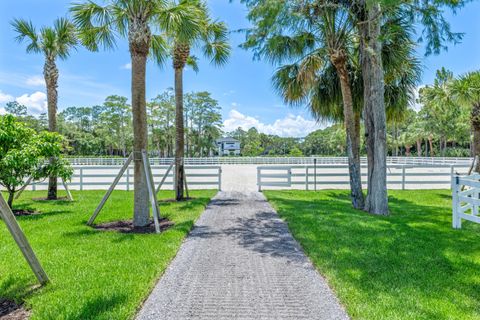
(107, 129)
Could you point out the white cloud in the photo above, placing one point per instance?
(35, 81)
(290, 126)
(36, 103)
(2, 111)
(5, 97)
(127, 66)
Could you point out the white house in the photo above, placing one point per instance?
(228, 146)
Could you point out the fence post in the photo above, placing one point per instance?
(306, 177)
(81, 179)
(259, 180)
(456, 221)
(289, 177)
(451, 174)
(128, 179)
(403, 177)
(219, 178)
(315, 174)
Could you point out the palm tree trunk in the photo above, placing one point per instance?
(475, 116)
(353, 137)
(374, 109)
(141, 211)
(50, 73)
(419, 148)
(180, 138)
(430, 142)
(407, 150)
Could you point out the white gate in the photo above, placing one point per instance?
(465, 199)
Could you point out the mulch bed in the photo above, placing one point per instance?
(126, 226)
(25, 212)
(46, 199)
(174, 200)
(9, 310)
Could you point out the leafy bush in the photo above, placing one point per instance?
(457, 152)
(24, 154)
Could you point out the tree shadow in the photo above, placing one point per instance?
(412, 250)
(18, 288)
(98, 307)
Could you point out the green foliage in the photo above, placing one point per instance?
(24, 154)
(254, 143)
(15, 108)
(410, 265)
(203, 122)
(94, 274)
(107, 129)
(295, 152)
(330, 141)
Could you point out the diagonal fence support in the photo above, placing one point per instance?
(110, 190)
(151, 191)
(150, 185)
(13, 227)
(165, 177)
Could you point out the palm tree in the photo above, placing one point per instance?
(466, 89)
(328, 79)
(53, 42)
(132, 19)
(324, 40)
(211, 37)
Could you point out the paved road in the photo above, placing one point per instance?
(241, 262)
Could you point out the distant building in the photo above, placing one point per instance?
(228, 146)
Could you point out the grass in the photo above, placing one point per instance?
(409, 265)
(94, 274)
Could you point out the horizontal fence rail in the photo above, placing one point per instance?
(271, 160)
(95, 177)
(465, 199)
(399, 176)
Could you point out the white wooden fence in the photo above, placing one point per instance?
(465, 199)
(402, 176)
(101, 177)
(272, 160)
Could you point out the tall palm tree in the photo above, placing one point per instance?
(53, 42)
(328, 78)
(324, 40)
(466, 89)
(134, 20)
(211, 37)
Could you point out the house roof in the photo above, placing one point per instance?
(227, 139)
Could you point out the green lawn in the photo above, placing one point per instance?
(94, 274)
(410, 265)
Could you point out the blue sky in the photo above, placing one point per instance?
(242, 87)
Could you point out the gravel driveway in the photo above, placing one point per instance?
(241, 262)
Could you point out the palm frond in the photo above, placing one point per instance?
(95, 24)
(182, 21)
(216, 44)
(25, 30)
(66, 37)
(192, 62)
(159, 49)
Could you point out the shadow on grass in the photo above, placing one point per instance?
(409, 256)
(17, 288)
(99, 306)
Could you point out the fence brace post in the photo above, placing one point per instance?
(456, 221)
